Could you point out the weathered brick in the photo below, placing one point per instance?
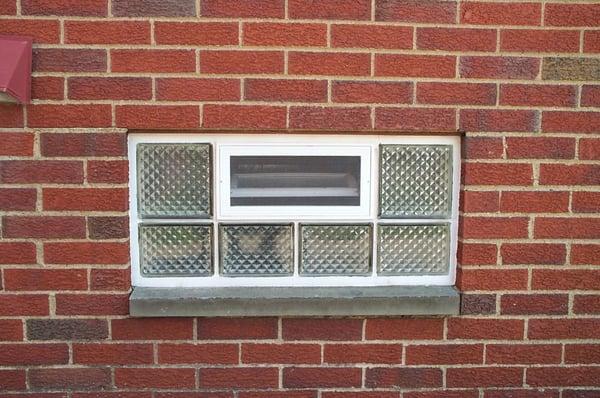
(89, 8)
(43, 227)
(69, 378)
(585, 254)
(69, 60)
(322, 329)
(107, 32)
(42, 31)
(152, 329)
(33, 354)
(497, 174)
(404, 377)
(338, 64)
(566, 14)
(498, 120)
(275, 90)
(11, 115)
(45, 279)
(16, 144)
(591, 41)
(84, 144)
(576, 174)
(404, 329)
(110, 171)
(285, 34)
(442, 66)
(550, 329)
(477, 304)
(371, 36)
(196, 33)
(484, 377)
(550, 41)
(241, 62)
(88, 304)
(303, 117)
(562, 227)
(321, 377)
(47, 87)
(566, 279)
(582, 353)
(67, 329)
(67, 115)
(523, 353)
(44, 171)
(416, 119)
(85, 199)
(372, 92)
(590, 96)
(281, 353)
(24, 305)
(586, 202)
(116, 88)
(477, 253)
(488, 67)
(534, 202)
(561, 376)
(248, 378)
(557, 68)
(156, 61)
(244, 116)
(86, 253)
(456, 39)
(157, 116)
(456, 93)
(444, 354)
(8, 7)
(492, 280)
(514, 13)
(110, 279)
(537, 95)
(190, 89)
(533, 253)
(112, 354)
(586, 304)
(540, 148)
(482, 147)
(108, 227)
(199, 353)
(362, 353)
(332, 9)
(434, 11)
(11, 330)
(571, 122)
(243, 8)
(534, 304)
(485, 329)
(154, 8)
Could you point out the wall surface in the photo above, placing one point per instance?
(519, 77)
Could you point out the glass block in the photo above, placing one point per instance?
(174, 180)
(256, 250)
(335, 250)
(176, 250)
(416, 181)
(413, 249)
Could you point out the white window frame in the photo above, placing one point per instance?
(224, 145)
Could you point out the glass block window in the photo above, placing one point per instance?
(293, 210)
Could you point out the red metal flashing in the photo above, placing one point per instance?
(15, 69)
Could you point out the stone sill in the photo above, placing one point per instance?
(294, 301)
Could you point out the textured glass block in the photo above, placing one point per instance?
(176, 250)
(416, 181)
(413, 249)
(335, 250)
(256, 250)
(174, 180)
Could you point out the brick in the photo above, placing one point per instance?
(582, 353)
(60, 116)
(8, 7)
(112, 354)
(279, 394)
(198, 353)
(11, 330)
(43, 227)
(333, 9)
(189, 89)
(155, 61)
(571, 122)
(12, 379)
(484, 377)
(557, 68)
(477, 304)
(566, 329)
(403, 377)
(67, 329)
(91, 8)
(537, 95)
(243, 378)
(484, 67)
(154, 8)
(88, 304)
(69, 378)
(47, 87)
(69, 60)
(85, 199)
(444, 354)
(82, 144)
(155, 117)
(494, 227)
(372, 92)
(17, 253)
(456, 93)
(523, 353)
(533, 253)
(304, 117)
(281, 353)
(404, 329)
(45, 171)
(116, 394)
(456, 39)
(45, 279)
(585, 254)
(152, 329)
(433, 11)
(237, 328)
(492, 280)
(482, 147)
(16, 144)
(416, 119)
(590, 95)
(111, 171)
(243, 9)
(107, 32)
(336, 64)
(497, 174)
(415, 65)
(591, 41)
(285, 34)
(110, 279)
(362, 353)
(108, 227)
(359, 394)
(534, 202)
(162, 378)
(321, 377)
(116, 88)
(549, 279)
(241, 62)
(478, 13)
(485, 329)
(498, 120)
(41, 31)
(579, 393)
(446, 394)
(477, 254)
(33, 354)
(372, 36)
(572, 15)
(573, 228)
(285, 90)
(322, 329)
(24, 305)
(586, 304)
(540, 148)
(196, 33)
(576, 174)
(11, 115)
(244, 116)
(534, 304)
(561, 376)
(531, 40)
(86, 253)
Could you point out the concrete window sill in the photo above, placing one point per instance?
(296, 301)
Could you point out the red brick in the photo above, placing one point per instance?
(550, 279)
(586, 202)
(444, 354)
(499, 67)
(12, 380)
(8, 7)
(416, 119)
(120, 394)
(336, 64)
(237, 328)
(152, 329)
(456, 93)
(162, 378)
(280, 394)
(533, 253)
(243, 9)
(572, 14)
(494, 227)
(552, 41)
(415, 65)
(562, 376)
(534, 304)
(86, 253)
(16, 144)
(285, 90)
(332, 9)
(477, 254)
(108, 227)
(244, 116)
(196, 33)
(372, 92)
(573, 228)
(358, 394)
(47, 87)
(82, 144)
(198, 353)
(41, 171)
(69, 378)
(497, 174)
(478, 13)
(303, 117)
(156, 61)
(45, 279)
(537, 95)
(576, 174)
(281, 353)
(24, 305)
(33, 354)
(540, 148)
(448, 394)
(372, 36)
(589, 149)
(41, 31)
(586, 304)
(484, 377)
(85, 199)
(117, 88)
(88, 304)
(322, 329)
(404, 329)
(112, 354)
(65, 115)
(570, 122)
(482, 147)
(321, 377)
(579, 393)
(590, 95)
(585, 254)
(456, 39)
(485, 329)
(523, 353)
(403, 377)
(69, 60)
(155, 116)
(112, 171)
(363, 353)
(189, 89)
(433, 11)
(110, 279)
(498, 120)
(582, 353)
(285, 34)
(591, 41)
(534, 202)
(89, 8)
(492, 280)
(242, 378)
(11, 330)
(107, 32)
(153, 8)
(44, 227)
(241, 62)
(11, 115)
(564, 329)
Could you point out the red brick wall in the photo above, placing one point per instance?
(519, 77)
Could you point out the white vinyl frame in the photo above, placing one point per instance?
(223, 145)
